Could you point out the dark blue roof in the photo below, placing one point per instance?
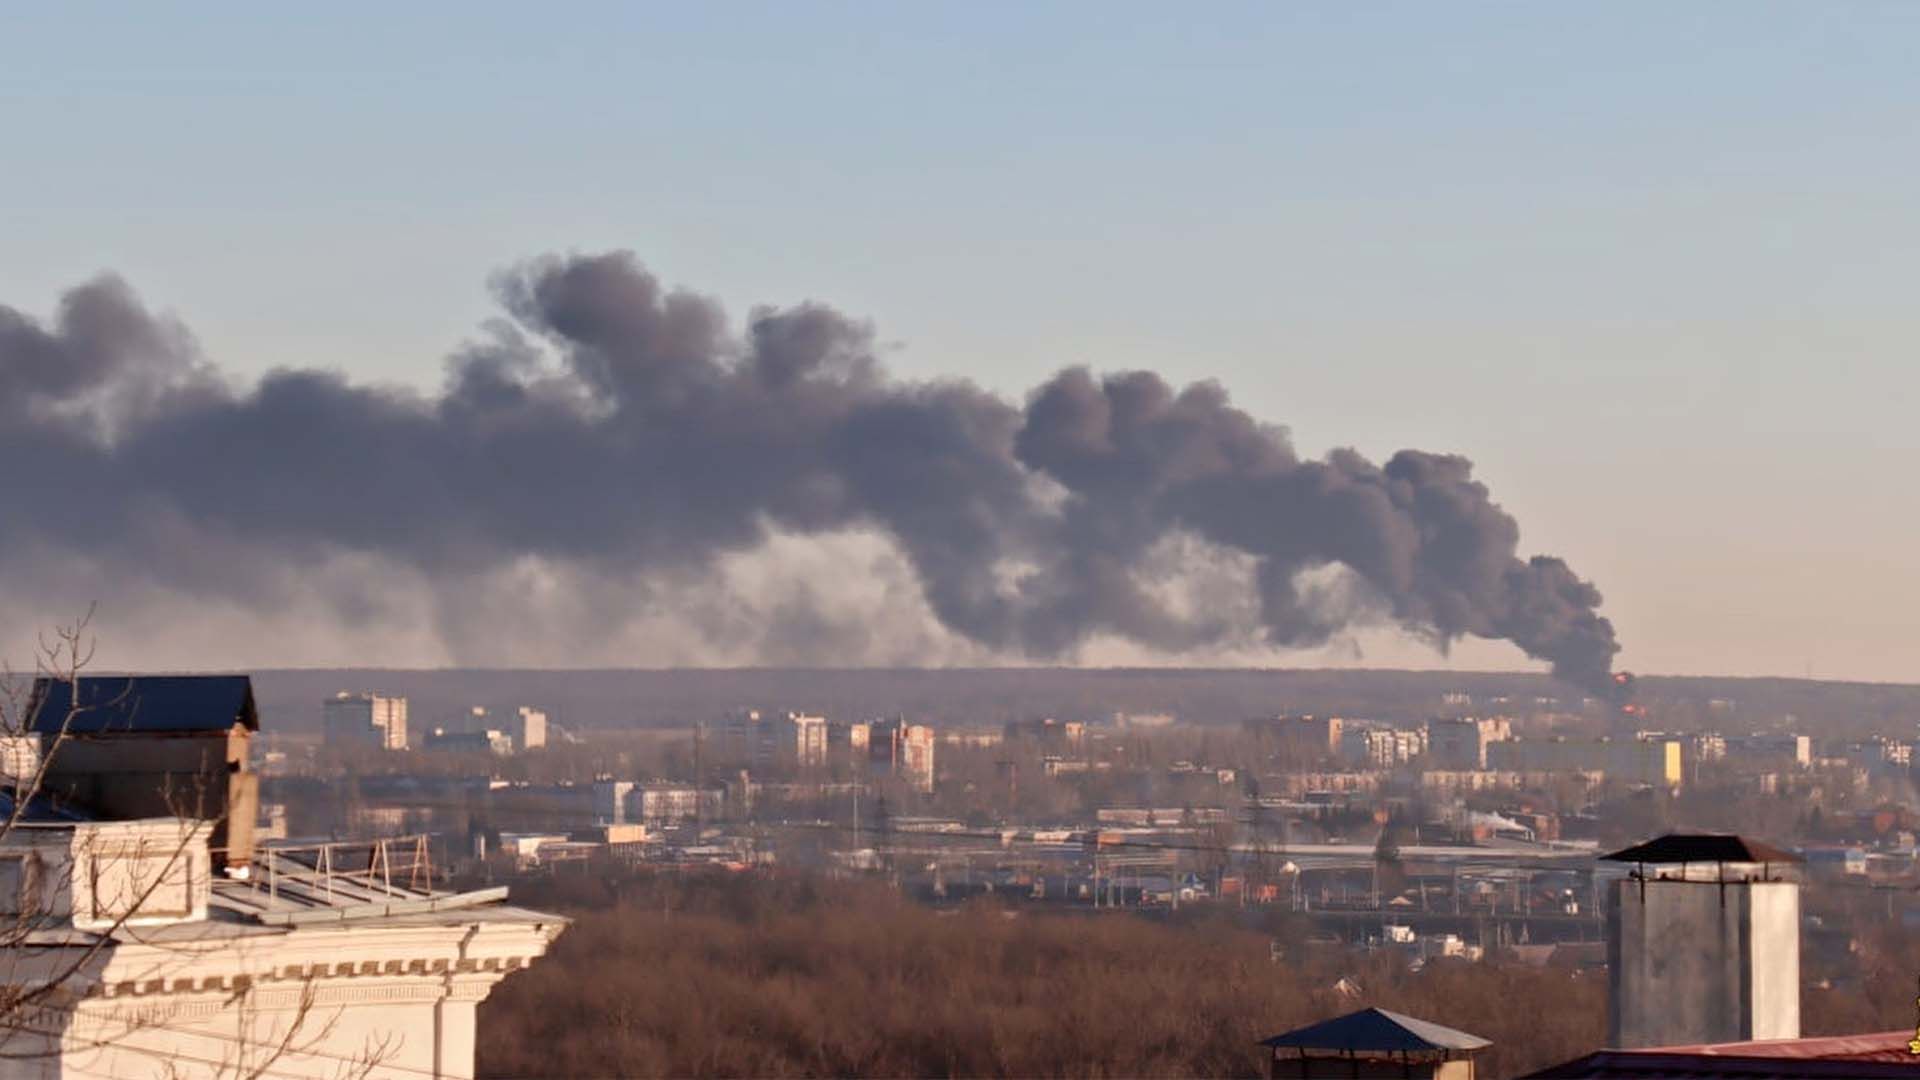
(1702, 848)
(145, 703)
(1377, 1031)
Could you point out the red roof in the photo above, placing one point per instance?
(1879, 1046)
(1881, 1054)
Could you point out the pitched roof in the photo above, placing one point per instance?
(144, 703)
(1377, 1031)
(1855, 1056)
(1702, 848)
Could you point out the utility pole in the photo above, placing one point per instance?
(699, 796)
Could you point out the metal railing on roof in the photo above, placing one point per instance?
(345, 869)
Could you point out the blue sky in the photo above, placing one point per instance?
(1647, 264)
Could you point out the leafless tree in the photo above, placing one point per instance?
(48, 967)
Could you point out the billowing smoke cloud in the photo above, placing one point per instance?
(618, 442)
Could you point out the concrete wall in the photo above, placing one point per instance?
(1700, 962)
(1774, 920)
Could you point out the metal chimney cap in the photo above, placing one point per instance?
(1702, 848)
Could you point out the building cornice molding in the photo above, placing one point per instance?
(455, 960)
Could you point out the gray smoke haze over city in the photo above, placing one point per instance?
(612, 465)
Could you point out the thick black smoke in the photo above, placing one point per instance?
(620, 429)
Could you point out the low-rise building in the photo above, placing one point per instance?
(1297, 784)
(1457, 781)
(484, 741)
(613, 800)
(525, 847)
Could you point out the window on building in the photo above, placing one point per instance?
(19, 891)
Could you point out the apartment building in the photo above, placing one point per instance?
(368, 721)
(1308, 737)
(1653, 760)
(899, 748)
(1461, 743)
(1381, 747)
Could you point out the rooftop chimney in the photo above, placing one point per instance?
(154, 746)
(1703, 943)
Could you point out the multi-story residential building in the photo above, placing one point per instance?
(1651, 760)
(809, 739)
(761, 738)
(849, 738)
(1769, 750)
(374, 721)
(1708, 746)
(1382, 747)
(1461, 743)
(526, 728)
(976, 740)
(662, 803)
(1309, 737)
(1879, 755)
(613, 801)
(529, 728)
(484, 741)
(918, 753)
(1050, 734)
(903, 749)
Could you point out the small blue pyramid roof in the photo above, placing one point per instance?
(1377, 1031)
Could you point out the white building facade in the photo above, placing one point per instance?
(148, 965)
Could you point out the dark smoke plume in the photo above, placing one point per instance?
(615, 429)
